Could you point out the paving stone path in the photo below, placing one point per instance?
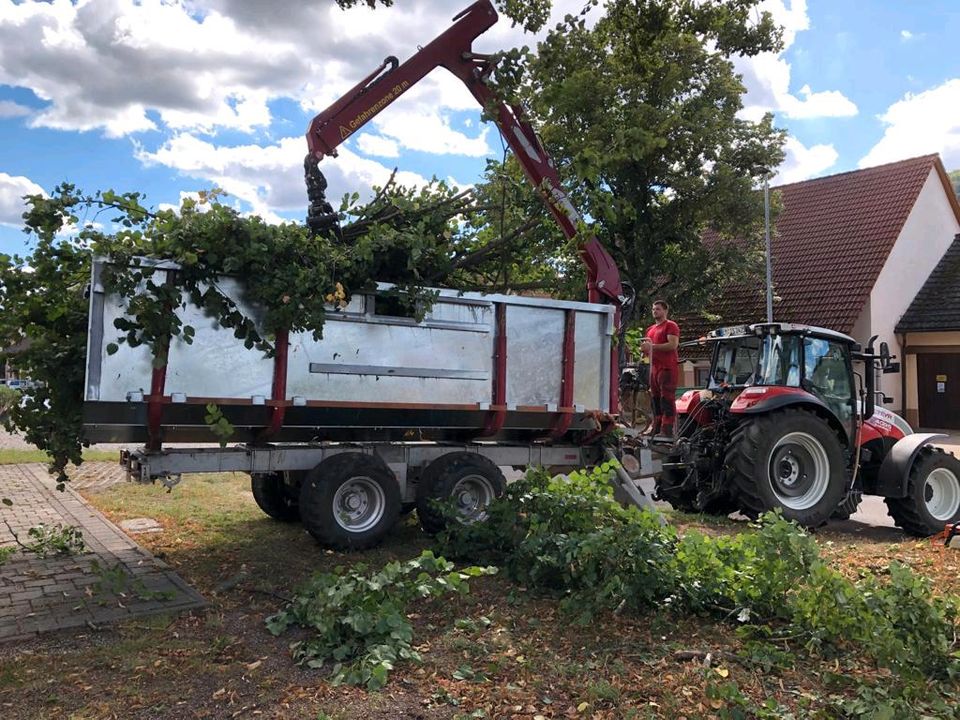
(114, 580)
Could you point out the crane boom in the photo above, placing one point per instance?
(453, 50)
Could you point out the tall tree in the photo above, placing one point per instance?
(642, 112)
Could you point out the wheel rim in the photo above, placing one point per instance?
(471, 496)
(941, 493)
(359, 504)
(799, 471)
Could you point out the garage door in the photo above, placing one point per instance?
(938, 386)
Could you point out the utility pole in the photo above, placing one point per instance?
(766, 224)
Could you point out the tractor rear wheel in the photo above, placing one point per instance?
(933, 494)
(792, 460)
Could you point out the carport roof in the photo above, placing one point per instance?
(937, 306)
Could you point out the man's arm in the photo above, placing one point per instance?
(672, 343)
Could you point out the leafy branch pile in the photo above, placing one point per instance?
(569, 538)
(358, 620)
(410, 237)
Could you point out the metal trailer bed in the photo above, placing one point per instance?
(383, 412)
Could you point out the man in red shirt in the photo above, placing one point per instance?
(660, 345)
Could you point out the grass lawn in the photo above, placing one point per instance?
(14, 457)
(511, 656)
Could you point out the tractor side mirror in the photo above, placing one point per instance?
(885, 360)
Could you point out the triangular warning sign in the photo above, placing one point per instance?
(343, 133)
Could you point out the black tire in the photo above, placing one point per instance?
(350, 501)
(933, 494)
(275, 497)
(471, 480)
(792, 460)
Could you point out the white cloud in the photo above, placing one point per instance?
(10, 109)
(12, 190)
(105, 64)
(918, 124)
(378, 145)
(906, 35)
(269, 179)
(767, 76)
(803, 163)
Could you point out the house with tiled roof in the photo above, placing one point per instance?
(929, 335)
(851, 252)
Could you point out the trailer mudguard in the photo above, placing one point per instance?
(895, 470)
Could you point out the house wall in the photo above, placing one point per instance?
(925, 237)
(917, 341)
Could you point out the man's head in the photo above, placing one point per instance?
(660, 310)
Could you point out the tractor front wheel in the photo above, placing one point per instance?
(790, 460)
(933, 494)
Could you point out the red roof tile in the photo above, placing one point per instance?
(831, 240)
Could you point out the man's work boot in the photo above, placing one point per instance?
(667, 431)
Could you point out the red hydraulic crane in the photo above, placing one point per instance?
(453, 51)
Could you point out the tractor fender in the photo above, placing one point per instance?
(778, 398)
(895, 470)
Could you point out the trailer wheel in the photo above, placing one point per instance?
(275, 496)
(933, 494)
(350, 501)
(790, 460)
(469, 480)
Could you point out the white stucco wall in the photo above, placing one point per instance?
(925, 237)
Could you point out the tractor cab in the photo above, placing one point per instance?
(780, 363)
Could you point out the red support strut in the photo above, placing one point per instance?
(279, 393)
(563, 420)
(498, 395)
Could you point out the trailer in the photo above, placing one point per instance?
(385, 413)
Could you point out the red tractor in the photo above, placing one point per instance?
(787, 422)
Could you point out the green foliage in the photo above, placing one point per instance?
(404, 236)
(640, 110)
(359, 620)
(569, 538)
(8, 398)
(47, 541)
(5, 553)
(955, 179)
(218, 424)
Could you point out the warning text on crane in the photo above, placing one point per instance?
(379, 105)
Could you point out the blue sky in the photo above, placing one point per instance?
(170, 97)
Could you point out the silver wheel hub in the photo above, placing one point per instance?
(799, 471)
(359, 504)
(941, 494)
(471, 496)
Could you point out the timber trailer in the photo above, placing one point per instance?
(786, 422)
(386, 412)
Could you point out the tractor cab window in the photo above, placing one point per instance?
(826, 374)
(780, 361)
(736, 363)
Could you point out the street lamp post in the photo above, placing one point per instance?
(766, 232)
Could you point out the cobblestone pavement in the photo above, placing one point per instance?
(96, 475)
(115, 579)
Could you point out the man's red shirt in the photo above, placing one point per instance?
(658, 335)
